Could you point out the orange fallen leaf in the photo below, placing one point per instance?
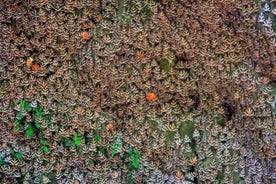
(35, 67)
(193, 161)
(44, 85)
(29, 62)
(99, 18)
(139, 55)
(80, 110)
(249, 113)
(178, 175)
(85, 36)
(15, 7)
(151, 97)
(58, 168)
(264, 80)
(110, 127)
(91, 25)
(161, 16)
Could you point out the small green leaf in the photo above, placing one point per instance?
(102, 150)
(135, 162)
(22, 104)
(41, 178)
(147, 12)
(17, 128)
(220, 119)
(38, 112)
(77, 138)
(20, 117)
(2, 161)
(43, 141)
(78, 12)
(47, 118)
(25, 105)
(134, 156)
(45, 149)
(38, 125)
(11, 152)
(30, 131)
(67, 141)
(18, 155)
(97, 137)
(116, 148)
(17, 125)
(28, 108)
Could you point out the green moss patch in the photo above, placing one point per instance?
(169, 136)
(187, 128)
(219, 119)
(153, 124)
(166, 64)
(208, 161)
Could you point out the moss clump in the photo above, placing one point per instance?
(166, 64)
(117, 146)
(208, 161)
(220, 177)
(146, 12)
(238, 179)
(219, 119)
(169, 136)
(187, 128)
(153, 124)
(78, 12)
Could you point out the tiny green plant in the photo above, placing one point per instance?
(75, 141)
(19, 120)
(2, 161)
(97, 137)
(18, 155)
(24, 105)
(47, 118)
(102, 150)
(67, 141)
(130, 177)
(36, 113)
(29, 131)
(135, 158)
(116, 148)
(77, 138)
(44, 146)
